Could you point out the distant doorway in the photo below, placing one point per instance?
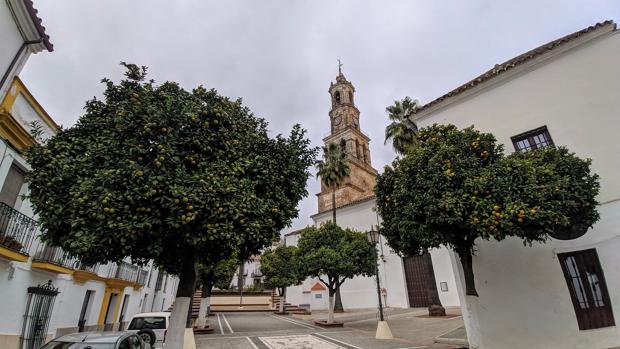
(420, 278)
(85, 310)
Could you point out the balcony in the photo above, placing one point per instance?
(88, 268)
(84, 272)
(125, 274)
(17, 231)
(257, 273)
(52, 258)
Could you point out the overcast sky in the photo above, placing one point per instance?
(280, 56)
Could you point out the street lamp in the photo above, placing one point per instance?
(383, 330)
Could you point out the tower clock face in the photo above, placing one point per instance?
(337, 120)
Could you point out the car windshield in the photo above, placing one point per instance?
(150, 322)
(81, 345)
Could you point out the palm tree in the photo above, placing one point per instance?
(333, 169)
(402, 131)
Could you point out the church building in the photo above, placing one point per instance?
(413, 281)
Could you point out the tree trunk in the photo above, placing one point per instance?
(240, 280)
(468, 271)
(334, 205)
(282, 299)
(180, 329)
(203, 313)
(330, 311)
(338, 308)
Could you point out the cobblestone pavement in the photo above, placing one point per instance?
(269, 331)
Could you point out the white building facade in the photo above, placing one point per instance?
(21, 34)
(252, 276)
(399, 287)
(43, 291)
(560, 294)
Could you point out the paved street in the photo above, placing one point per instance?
(269, 331)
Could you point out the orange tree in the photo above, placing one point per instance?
(457, 186)
(156, 172)
(333, 255)
(281, 269)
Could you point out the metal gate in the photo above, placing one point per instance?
(420, 278)
(38, 312)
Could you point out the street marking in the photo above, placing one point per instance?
(252, 343)
(303, 323)
(298, 322)
(227, 324)
(335, 340)
(298, 341)
(292, 322)
(220, 323)
(343, 331)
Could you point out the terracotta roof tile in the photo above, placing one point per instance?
(318, 287)
(38, 24)
(498, 69)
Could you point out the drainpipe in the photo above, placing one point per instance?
(5, 77)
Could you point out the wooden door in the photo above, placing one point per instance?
(420, 278)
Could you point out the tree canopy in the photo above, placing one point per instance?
(332, 170)
(281, 268)
(218, 275)
(401, 131)
(333, 254)
(184, 171)
(457, 186)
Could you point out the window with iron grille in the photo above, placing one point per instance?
(588, 290)
(533, 139)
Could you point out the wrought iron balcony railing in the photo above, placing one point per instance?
(17, 231)
(129, 272)
(160, 279)
(53, 255)
(123, 271)
(89, 268)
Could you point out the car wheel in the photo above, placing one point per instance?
(147, 335)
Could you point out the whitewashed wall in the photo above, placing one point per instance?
(361, 292)
(524, 300)
(24, 113)
(249, 267)
(11, 41)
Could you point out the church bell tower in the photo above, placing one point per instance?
(346, 132)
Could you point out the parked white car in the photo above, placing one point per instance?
(151, 327)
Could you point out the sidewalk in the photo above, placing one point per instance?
(359, 314)
(412, 325)
(457, 337)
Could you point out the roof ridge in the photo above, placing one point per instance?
(516, 61)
